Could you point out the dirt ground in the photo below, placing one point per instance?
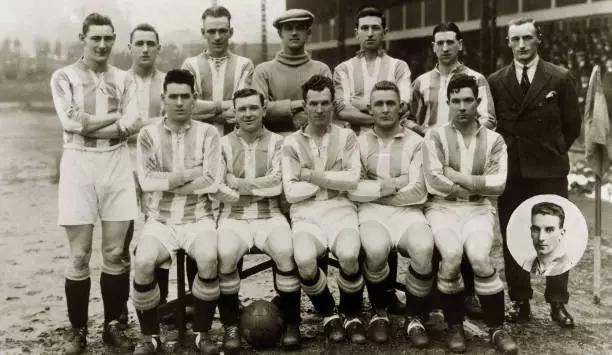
(33, 315)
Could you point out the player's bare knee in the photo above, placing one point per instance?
(113, 254)
(78, 267)
(481, 263)
(228, 256)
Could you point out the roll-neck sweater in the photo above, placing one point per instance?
(280, 81)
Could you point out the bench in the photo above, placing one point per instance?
(177, 306)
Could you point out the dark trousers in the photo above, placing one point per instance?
(519, 281)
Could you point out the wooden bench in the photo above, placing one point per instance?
(177, 306)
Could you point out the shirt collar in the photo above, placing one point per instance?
(181, 130)
(260, 133)
(478, 130)
(206, 55)
(361, 53)
(81, 62)
(399, 135)
(457, 69)
(303, 130)
(533, 63)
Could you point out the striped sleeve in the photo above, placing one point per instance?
(493, 182)
(246, 76)
(295, 189)
(412, 190)
(402, 79)
(418, 108)
(73, 120)
(367, 190)
(433, 165)
(347, 178)
(271, 184)
(486, 107)
(212, 166)
(129, 102)
(342, 88)
(148, 174)
(225, 194)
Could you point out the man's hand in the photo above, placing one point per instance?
(461, 192)
(306, 174)
(388, 187)
(297, 106)
(231, 181)
(451, 174)
(300, 120)
(360, 103)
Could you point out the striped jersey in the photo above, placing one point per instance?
(257, 167)
(219, 81)
(196, 150)
(80, 95)
(148, 95)
(428, 104)
(335, 161)
(485, 160)
(400, 159)
(352, 78)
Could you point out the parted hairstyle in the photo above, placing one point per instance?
(386, 85)
(549, 209)
(460, 81)
(179, 76)
(146, 28)
(246, 92)
(217, 11)
(318, 83)
(522, 21)
(96, 19)
(370, 10)
(447, 27)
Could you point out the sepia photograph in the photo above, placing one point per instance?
(306, 177)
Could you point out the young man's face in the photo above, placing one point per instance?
(447, 47)
(293, 35)
(144, 48)
(98, 43)
(178, 102)
(523, 41)
(319, 107)
(546, 233)
(385, 108)
(249, 113)
(463, 106)
(217, 33)
(370, 32)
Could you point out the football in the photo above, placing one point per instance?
(261, 323)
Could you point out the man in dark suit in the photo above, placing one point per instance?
(538, 115)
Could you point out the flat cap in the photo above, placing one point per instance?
(294, 15)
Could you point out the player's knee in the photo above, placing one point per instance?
(305, 258)
(228, 254)
(481, 263)
(78, 267)
(112, 254)
(205, 257)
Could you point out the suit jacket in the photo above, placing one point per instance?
(539, 127)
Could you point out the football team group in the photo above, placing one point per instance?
(289, 158)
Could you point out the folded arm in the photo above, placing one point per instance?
(295, 188)
(211, 172)
(344, 180)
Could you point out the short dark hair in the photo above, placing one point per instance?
(385, 85)
(246, 92)
(370, 10)
(318, 83)
(144, 27)
(460, 81)
(447, 27)
(96, 19)
(179, 76)
(217, 11)
(523, 20)
(549, 209)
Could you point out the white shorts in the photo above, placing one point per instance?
(324, 219)
(177, 236)
(464, 218)
(96, 184)
(255, 232)
(396, 220)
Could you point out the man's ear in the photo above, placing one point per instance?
(478, 99)
(81, 37)
(369, 109)
(403, 107)
(231, 32)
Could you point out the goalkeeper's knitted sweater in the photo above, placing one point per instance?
(280, 80)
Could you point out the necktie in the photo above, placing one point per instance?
(525, 81)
